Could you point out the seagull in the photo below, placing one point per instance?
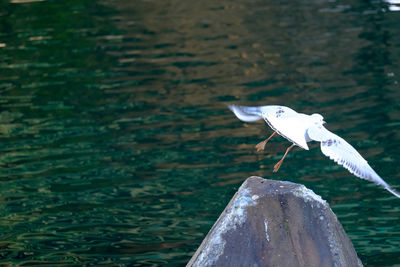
(300, 129)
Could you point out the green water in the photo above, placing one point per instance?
(116, 146)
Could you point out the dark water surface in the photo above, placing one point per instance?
(116, 146)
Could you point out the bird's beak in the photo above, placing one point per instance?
(323, 122)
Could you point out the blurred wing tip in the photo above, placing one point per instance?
(245, 113)
(394, 192)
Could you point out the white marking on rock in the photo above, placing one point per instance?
(266, 229)
(234, 216)
(308, 195)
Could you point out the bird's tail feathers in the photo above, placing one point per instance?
(248, 114)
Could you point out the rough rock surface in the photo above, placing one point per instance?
(275, 223)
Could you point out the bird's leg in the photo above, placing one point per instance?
(260, 146)
(277, 165)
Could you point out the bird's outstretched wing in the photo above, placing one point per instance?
(247, 114)
(285, 121)
(337, 149)
(250, 114)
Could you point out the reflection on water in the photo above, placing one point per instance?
(116, 143)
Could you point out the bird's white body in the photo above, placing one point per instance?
(301, 128)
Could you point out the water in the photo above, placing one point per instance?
(116, 143)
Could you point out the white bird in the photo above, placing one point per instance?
(301, 128)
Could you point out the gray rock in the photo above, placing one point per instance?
(275, 223)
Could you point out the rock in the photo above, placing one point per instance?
(275, 223)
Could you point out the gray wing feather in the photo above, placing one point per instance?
(337, 149)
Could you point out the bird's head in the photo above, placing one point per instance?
(317, 118)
